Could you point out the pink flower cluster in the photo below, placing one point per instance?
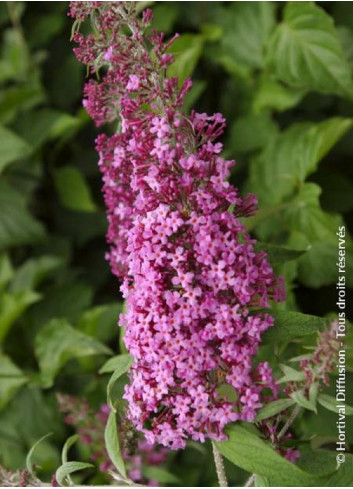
(193, 282)
(316, 365)
(319, 364)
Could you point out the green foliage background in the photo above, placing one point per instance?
(282, 75)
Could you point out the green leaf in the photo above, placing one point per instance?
(290, 157)
(249, 452)
(66, 125)
(16, 53)
(252, 132)
(42, 416)
(273, 95)
(278, 254)
(15, 99)
(291, 375)
(6, 270)
(12, 146)
(323, 463)
(159, 474)
(33, 272)
(236, 70)
(313, 393)
(164, 16)
(19, 8)
(68, 444)
(122, 366)
(40, 126)
(122, 346)
(273, 408)
(261, 481)
(331, 404)
(100, 321)
(343, 477)
(247, 26)
(319, 462)
(29, 463)
(66, 300)
(119, 364)
(17, 226)
(318, 267)
(212, 32)
(11, 379)
(290, 325)
(12, 306)
(6, 71)
(303, 401)
(112, 444)
(305, 52)
(346, 38)
(73, 190)
(305, 215)
(59, 342)
(68, 468)
(187, 50)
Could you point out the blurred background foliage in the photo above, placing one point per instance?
(289, 130)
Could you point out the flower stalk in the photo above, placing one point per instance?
(218, 460)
